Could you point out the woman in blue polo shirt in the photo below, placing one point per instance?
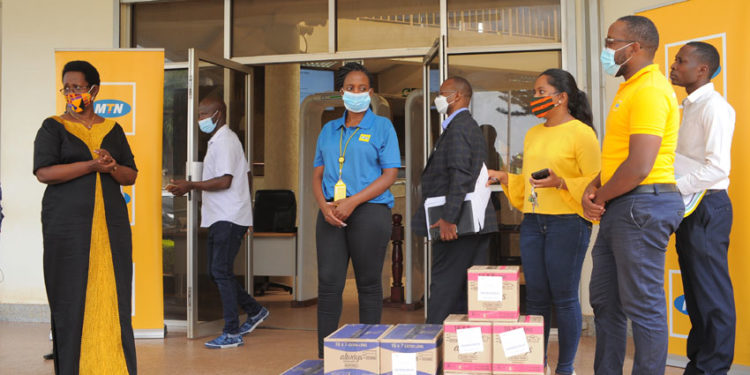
(356, 161)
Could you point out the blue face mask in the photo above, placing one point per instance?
(608, 60)
(716, 73)
(207, 125)
(356, 102)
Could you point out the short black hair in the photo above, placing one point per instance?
(348, 68)
(85, 67)
(707, 55)
(643, 31)
(462, 85)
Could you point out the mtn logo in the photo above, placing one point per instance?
(110, 108)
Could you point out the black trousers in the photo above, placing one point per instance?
(450, 260)
(702, 245)
(364, 240)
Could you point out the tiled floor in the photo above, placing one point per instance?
(271, 349)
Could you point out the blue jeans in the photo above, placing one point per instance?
(627, 280)
(224, 240)
(552, 252)
(702, 245)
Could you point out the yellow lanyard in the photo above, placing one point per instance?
(342, 153)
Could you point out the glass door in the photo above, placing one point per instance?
(231, 82)
(503, 85)
(421, 141)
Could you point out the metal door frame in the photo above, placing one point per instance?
(436, 51)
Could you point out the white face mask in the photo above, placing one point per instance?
(441, 103)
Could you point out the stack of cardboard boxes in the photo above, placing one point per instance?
(384, 349)
(306, 367)
(493, 338)
(468, 346)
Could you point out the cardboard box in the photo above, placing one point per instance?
(306, 367)
(476, 362)
(354, 348)
(493, 293)
(412, 346)
(529, 363)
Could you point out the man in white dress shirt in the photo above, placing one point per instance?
(703, 237)
(228, 214)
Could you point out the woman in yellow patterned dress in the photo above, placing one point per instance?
(84, 159)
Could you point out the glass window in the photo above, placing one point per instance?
(258, 121)
(175, 118)
(492, 22)
(174, 209)
(279, 27)
(364, 25)
(503, 87)
(177, 26)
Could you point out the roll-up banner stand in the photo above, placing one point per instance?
(132, 94)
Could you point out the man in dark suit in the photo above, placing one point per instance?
(452, 171)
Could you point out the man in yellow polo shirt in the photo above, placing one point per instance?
(636, 199)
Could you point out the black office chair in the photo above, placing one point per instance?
(276, 212)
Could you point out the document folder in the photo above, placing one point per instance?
(471, 218)
(465, 225)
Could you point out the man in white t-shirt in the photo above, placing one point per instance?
(703, 236)
(228, 214)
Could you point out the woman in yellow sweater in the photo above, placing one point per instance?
(564, 152)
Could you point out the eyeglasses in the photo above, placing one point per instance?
(74, 89)
(611, 41)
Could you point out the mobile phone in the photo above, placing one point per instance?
(540, 174)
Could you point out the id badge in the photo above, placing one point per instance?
(339, 191)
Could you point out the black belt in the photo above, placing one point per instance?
(713, 191)
(654, 189)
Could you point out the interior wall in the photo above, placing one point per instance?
(281, 127)
(394, 80)
(31, 31)
(281, 140)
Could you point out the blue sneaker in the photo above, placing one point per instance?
(226, 340)
(253, 321)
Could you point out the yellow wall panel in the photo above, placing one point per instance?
(722, 24)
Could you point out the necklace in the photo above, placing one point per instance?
(88, 123)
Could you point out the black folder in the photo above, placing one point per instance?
(465, 223)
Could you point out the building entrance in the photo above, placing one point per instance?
(499, 48)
